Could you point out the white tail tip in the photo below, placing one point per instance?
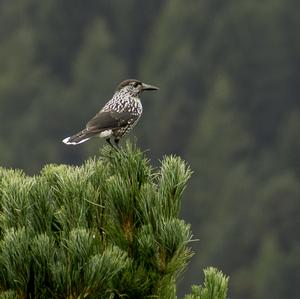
(66, 141)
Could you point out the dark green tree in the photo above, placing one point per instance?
(229, 106)
(106, 229)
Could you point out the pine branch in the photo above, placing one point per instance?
(215, 286)
(106, 229)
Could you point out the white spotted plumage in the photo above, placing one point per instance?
(124, 101)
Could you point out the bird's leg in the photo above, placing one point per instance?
(109, 142)
(117, 140)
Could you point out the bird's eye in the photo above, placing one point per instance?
(135, 84)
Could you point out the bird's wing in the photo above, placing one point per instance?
(110, 121)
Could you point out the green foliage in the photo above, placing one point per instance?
(106, 229)
(215, 286)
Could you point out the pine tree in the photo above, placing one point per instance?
(106, 229)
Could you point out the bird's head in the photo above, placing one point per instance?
(135, 87)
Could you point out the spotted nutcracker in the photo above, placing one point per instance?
(117, 117)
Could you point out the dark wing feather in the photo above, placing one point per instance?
(110, 120)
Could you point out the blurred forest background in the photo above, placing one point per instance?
(229, 103)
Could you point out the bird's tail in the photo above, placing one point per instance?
(78, 138)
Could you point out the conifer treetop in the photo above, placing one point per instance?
(106, 229)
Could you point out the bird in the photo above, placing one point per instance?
(118, 116)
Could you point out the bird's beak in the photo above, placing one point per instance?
(149, 87)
